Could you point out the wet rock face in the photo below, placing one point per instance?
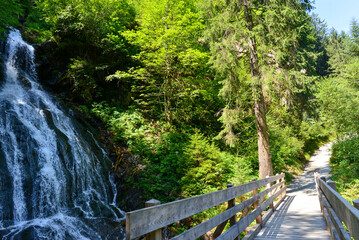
(50, 65)
(55, 180)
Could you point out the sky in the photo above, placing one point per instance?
(337, 13)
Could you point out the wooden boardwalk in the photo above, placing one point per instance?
(299, 216)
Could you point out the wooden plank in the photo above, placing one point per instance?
(204, 227)
(252, 233)
(242, 224)
(220, 228)
(157, 234)
(344, 210)
(146, 220)
(331, 228)
(343, 234)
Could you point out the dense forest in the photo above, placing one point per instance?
(190, 94)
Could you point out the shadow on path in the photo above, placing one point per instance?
(299, 216)
(277, 222)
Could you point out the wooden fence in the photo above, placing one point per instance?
(150, 220)
(337, 210)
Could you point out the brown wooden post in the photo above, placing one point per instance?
(270, 194)
(332, 185)
(285, 190)
(281, 195)
(256, 204)
(356, 203)
(232, 203)
(323, 178)
(232, 220)
(157, 234)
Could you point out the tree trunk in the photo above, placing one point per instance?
(264, 155)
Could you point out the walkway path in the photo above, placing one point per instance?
(299, 216)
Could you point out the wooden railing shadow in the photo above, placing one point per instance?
(277, 221)
(150, 220)
(337, 211)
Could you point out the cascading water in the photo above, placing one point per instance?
(54, 177)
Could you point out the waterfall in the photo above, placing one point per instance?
(54, 176)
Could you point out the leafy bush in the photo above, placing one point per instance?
(287, 151)
(313, 133)
(291, 145)
(80, 73)
(175, 163)
(345, 166)
(208, 169)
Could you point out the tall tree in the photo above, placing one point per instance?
(321, 34)
(262, 37)
(173, 60)
(264, 155)
(337, 49)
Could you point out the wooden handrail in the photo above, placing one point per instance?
(337, 210)
(144, 221)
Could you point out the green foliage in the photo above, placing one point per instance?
(322, 58)
(91, 45)
(287, 150)
(338, 98)
(313, 133)
(345, 166)
(10, 12)
(180, 72)
(174, 73)
(91, 21)
(337, 49)
(291, 145)
(80, 74)
(285, 49)
(209, 169)
(175, 163)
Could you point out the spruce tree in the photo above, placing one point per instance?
(259, 36)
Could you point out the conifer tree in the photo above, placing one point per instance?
(170, 53)
(338, 51)
(259, 36)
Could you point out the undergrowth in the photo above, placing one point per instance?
(345, 166)
(180, 162)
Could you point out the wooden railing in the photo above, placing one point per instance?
(154, 217)
(337, 210)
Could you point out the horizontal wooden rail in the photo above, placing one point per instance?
(337, 210)
(147, 220)
(246, 221)
(204, 227)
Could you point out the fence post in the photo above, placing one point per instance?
(285, 190)
(323, 178)
(232, 203)
(157, 234)
(270, 194)
(232, 220)
(332, 185)
(256, 204)
(356, 203)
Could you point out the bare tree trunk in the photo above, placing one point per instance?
(264, 155)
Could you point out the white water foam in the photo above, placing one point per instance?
(61, 181)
